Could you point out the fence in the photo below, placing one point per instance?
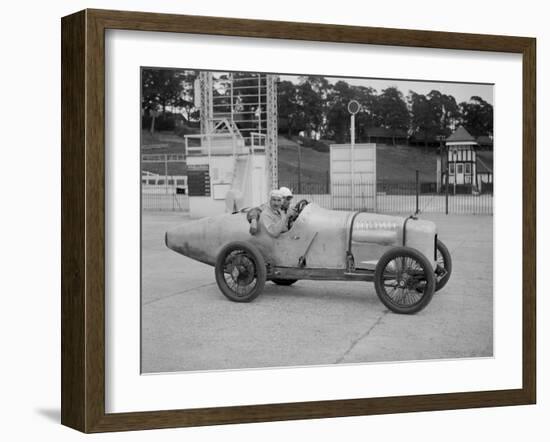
(163, 201)
(385, 197)
(164, 182)
(396, 197)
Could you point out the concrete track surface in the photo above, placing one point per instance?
(187, 324)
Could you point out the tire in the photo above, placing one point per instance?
(444, 266)
(404, 280)
(240, 271)
(286, 282)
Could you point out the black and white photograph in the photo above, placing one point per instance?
(253, 221)
(303, 220)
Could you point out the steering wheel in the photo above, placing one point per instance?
(300, 206)
(297, 210)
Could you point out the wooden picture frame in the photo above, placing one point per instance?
(83, 220)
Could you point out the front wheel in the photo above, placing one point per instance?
(444, 266)
(240, 271)
(404, 280)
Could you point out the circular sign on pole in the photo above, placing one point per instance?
(354, 107)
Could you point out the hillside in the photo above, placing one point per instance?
(399, 163)
(315, 165)
(394, 163)
(161, 142)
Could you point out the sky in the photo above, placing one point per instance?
(461, 91)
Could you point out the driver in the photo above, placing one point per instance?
(253, 215)
(291, 212)
(273, 218)
(287, 198)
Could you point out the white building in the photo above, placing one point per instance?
(466, 171)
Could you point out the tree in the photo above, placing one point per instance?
(445, 112)
(433, 114)
(423, 120)
(477, 116)
(312, 98)
(337, 120)
(186, 99)
(369, 116)
(290, 113)
(161, 88)
(392, 110)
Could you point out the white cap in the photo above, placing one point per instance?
(285, 191)
(275, 193)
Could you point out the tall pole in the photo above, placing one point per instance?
(271, 132)
(353, 108)
(232, 98)
(447, 181)
(260, 103)
(352, 161)
(299, 167)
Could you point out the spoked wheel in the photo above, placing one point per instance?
(286, 282)
(240, 272)
(444, 266)
(404, 280)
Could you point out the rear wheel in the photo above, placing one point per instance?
(404, 280)
(240, 272)
(286, 282)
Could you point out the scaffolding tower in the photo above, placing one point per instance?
(248, 101)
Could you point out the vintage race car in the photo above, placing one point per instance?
(401, 255)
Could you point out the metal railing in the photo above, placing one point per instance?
(389, 196)
(384, 196)
(173, 201)
(164, 182)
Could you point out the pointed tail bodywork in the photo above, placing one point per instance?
(202, 239)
